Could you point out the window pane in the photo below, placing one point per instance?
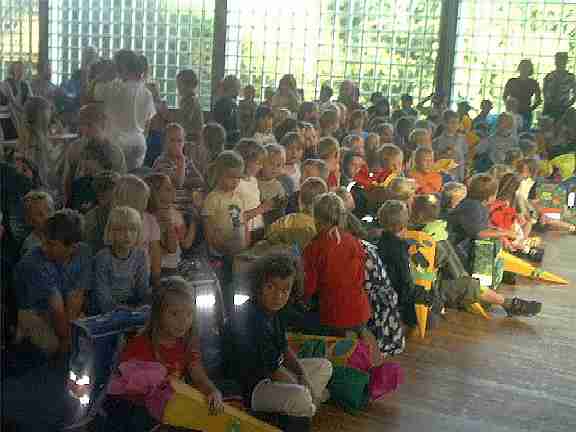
(371, 42)
(173, 34)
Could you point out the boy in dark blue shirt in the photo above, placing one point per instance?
(52, 280)
(471, 221)
(273, 379)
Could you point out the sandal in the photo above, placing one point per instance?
(520, 307)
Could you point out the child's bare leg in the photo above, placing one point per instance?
(560, 225)
(492, 297)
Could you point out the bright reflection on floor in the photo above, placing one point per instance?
(240, 299)
(84, 400)
(206, 301)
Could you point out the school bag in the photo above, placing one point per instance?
(487, 263)
(552, 199)
(96, 344)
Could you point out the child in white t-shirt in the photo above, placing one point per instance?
(254, 155)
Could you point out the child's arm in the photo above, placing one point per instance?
(201, 381)
(60, 321)
(169, 240)
(293, 365)
(101, 284)
(263, 208)
(180, 171)
(190, 237)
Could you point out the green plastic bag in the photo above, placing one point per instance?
(349, 388)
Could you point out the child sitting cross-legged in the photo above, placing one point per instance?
(166, 351)
(471, 221)
(427, 180)
(122, 269)
(258, 355)
(38, 207)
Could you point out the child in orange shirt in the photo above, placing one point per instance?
(427, 180)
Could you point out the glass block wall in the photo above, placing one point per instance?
(19, 33)
(173, 34)
(494, 35)
(384, 45)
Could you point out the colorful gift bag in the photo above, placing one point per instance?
(487, 263)
(422, 250)
(565, 163)
(570, 212)
(551, 198)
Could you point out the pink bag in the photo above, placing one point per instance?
(384, 379)
(145, 379)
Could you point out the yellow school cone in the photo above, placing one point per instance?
(513, 264)
(422, 318)
(478, 309)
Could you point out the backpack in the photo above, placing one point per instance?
(487, 263)
(422, 250)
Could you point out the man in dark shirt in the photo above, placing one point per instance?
(225, 111)
(258, 355)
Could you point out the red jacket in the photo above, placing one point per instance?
(502, 216)
(334, 268)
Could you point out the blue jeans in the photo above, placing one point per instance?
(527, 121)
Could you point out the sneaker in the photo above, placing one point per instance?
(519, 307)
(534, 255)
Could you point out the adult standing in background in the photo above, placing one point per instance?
(14, 92)
(43, 86)
(559, 88)
(523, 89)
(129, 106)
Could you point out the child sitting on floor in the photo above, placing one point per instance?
(48, 301)
(471, 219)
(122, 269)
(393, 217)
(172, 161)
(458, 289)
(131, 191)
(264, 119)
(174, 232)
(272, 378)
(451, 144)
(254, 155)
(294, 147)
(298, 228)
(169, 341)
(328, 123)
(334, 265)
(213, 143)
(352, 163)
(95, 220)
(269, 184)
(329, 152)
(452, 195)
(427, 180)
(38, 207)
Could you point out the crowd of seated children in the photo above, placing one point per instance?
(306, 184)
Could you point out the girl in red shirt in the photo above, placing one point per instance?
(334, 268)
(169, 339)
